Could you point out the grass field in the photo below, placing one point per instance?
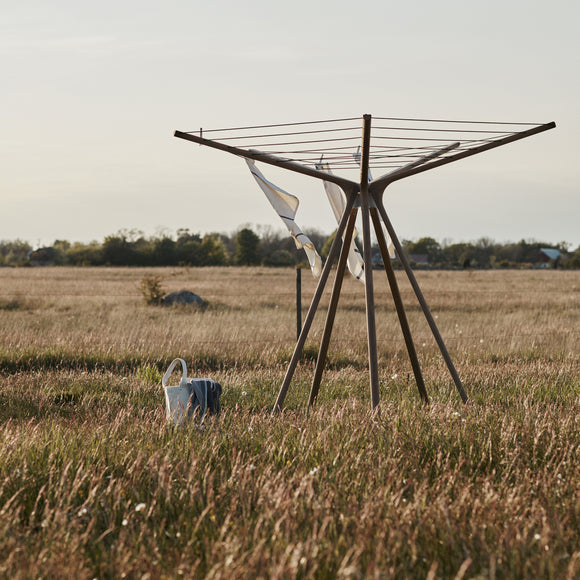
(94, 483)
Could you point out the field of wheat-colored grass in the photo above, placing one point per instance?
(94, 483)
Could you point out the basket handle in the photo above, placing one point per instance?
(172, 366)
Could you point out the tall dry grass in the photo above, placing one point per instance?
(99, 311)
(93, 483)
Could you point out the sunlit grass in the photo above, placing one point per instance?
(94, 483)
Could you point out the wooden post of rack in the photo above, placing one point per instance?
(298, 302)
(367, 258)
(340, 270)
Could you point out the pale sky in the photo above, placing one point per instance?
(93, 91)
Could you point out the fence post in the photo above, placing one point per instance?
(298, 302)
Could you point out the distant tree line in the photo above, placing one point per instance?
(267, 247)
(485, 253)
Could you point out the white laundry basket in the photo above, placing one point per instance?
(176, 397)
(184, 400)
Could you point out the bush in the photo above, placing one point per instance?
(152, 289)
(279, 258)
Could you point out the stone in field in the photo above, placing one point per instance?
(183, 298)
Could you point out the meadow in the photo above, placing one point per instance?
(95, 484)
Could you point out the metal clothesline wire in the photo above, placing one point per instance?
(314, 155)
(391, 148)
(350, 148)
(277, 125)
(264, 135)
(431, 130)
(380, 152)
(392, 145)
(357, 139)
(442, 141)
(417, 133)
(374, 151)
(348, 119)
(357, 129)
(454, 121)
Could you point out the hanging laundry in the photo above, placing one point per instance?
(286, 206)
(338, 204)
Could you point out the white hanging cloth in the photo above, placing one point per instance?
(286, 206)
(338, 204)
(390, 245)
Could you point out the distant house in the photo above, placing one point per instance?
(547, 257)
(550, 254)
